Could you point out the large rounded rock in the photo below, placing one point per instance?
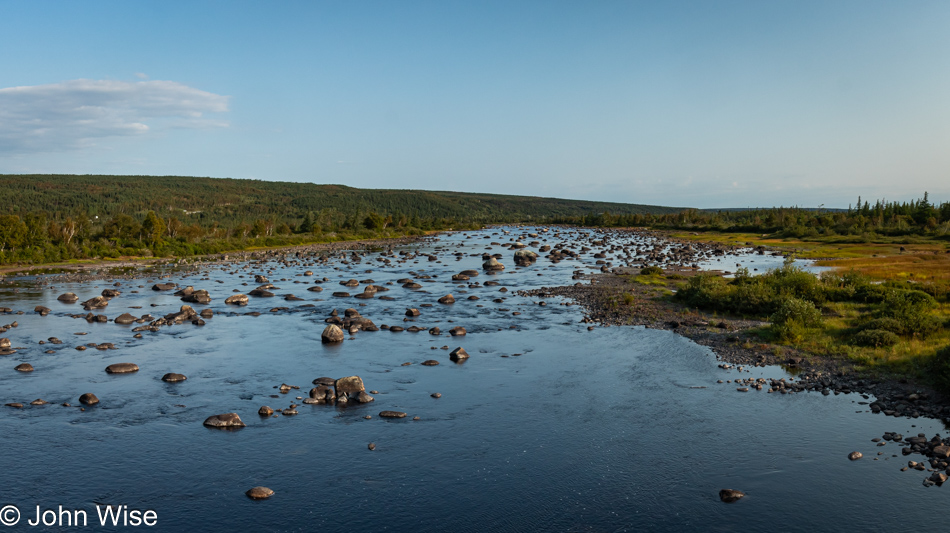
(332, 334)
(457, 331)
(259, 493)
(525, 257)
(226, 420)
(88, 399)
(163, 286)
(171, 377)
(265, 411)
(23, 367)
(42, 310)
(447, 299)
(125, 319)
(237, 299)
(122, 368)
(68, 298)
(854, 456)
(5, 344)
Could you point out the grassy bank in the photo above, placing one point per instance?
(882, 311)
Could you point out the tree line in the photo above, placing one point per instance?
(54, 218)
(865, 221)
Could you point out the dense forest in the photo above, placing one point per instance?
(52, 218)
(864, 222)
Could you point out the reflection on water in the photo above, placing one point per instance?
(547, 426)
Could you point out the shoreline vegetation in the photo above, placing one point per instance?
(883, 313)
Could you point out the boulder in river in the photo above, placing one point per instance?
(525, 257)
(392, 414)
(163, 286)
(97, 302)
(492, 264)
(226, 420)
(88, 399)
(447, 299)
(237, 299)
(349, 387)
(457, 331)
(171, 377)
(68, 298)
(41, 310)
(854, 456)
(200, 296)
(332, 334)
(23, 367)
(458, 354)
(259, 493)
(124, 319)
(265, 411)
(730, 495)
(122, 368)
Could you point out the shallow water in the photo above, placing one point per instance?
(575, 430)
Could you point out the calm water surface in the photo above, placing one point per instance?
(547, 427)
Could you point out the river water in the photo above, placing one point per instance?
(546, 427)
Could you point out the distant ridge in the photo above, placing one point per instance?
(226, 199)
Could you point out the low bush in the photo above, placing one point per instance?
(793, 318)
(875, 338)
(940, 370)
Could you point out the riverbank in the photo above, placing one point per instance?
(619, 298)
(84, 270)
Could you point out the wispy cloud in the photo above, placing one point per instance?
(73, 114)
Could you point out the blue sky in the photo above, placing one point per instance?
(707, 104)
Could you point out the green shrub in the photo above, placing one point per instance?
(651, 271)
(793, 318)
(796, 310)
(704, 291)
(940, 370)
(875, 338)
(911, 309)
(884, 323)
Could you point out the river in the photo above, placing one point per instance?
(546, 427)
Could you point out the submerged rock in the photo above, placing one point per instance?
(23, 367)
(171, 377)
(730, 495)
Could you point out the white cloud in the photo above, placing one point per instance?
(74, 113)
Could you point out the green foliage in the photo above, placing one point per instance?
(910, 309)
(793, 318)
(940, 370)
(876, 338)
(651, 271)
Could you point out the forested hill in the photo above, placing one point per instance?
(52, 218)
(229, 200)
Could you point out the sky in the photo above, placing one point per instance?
(680, 103)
